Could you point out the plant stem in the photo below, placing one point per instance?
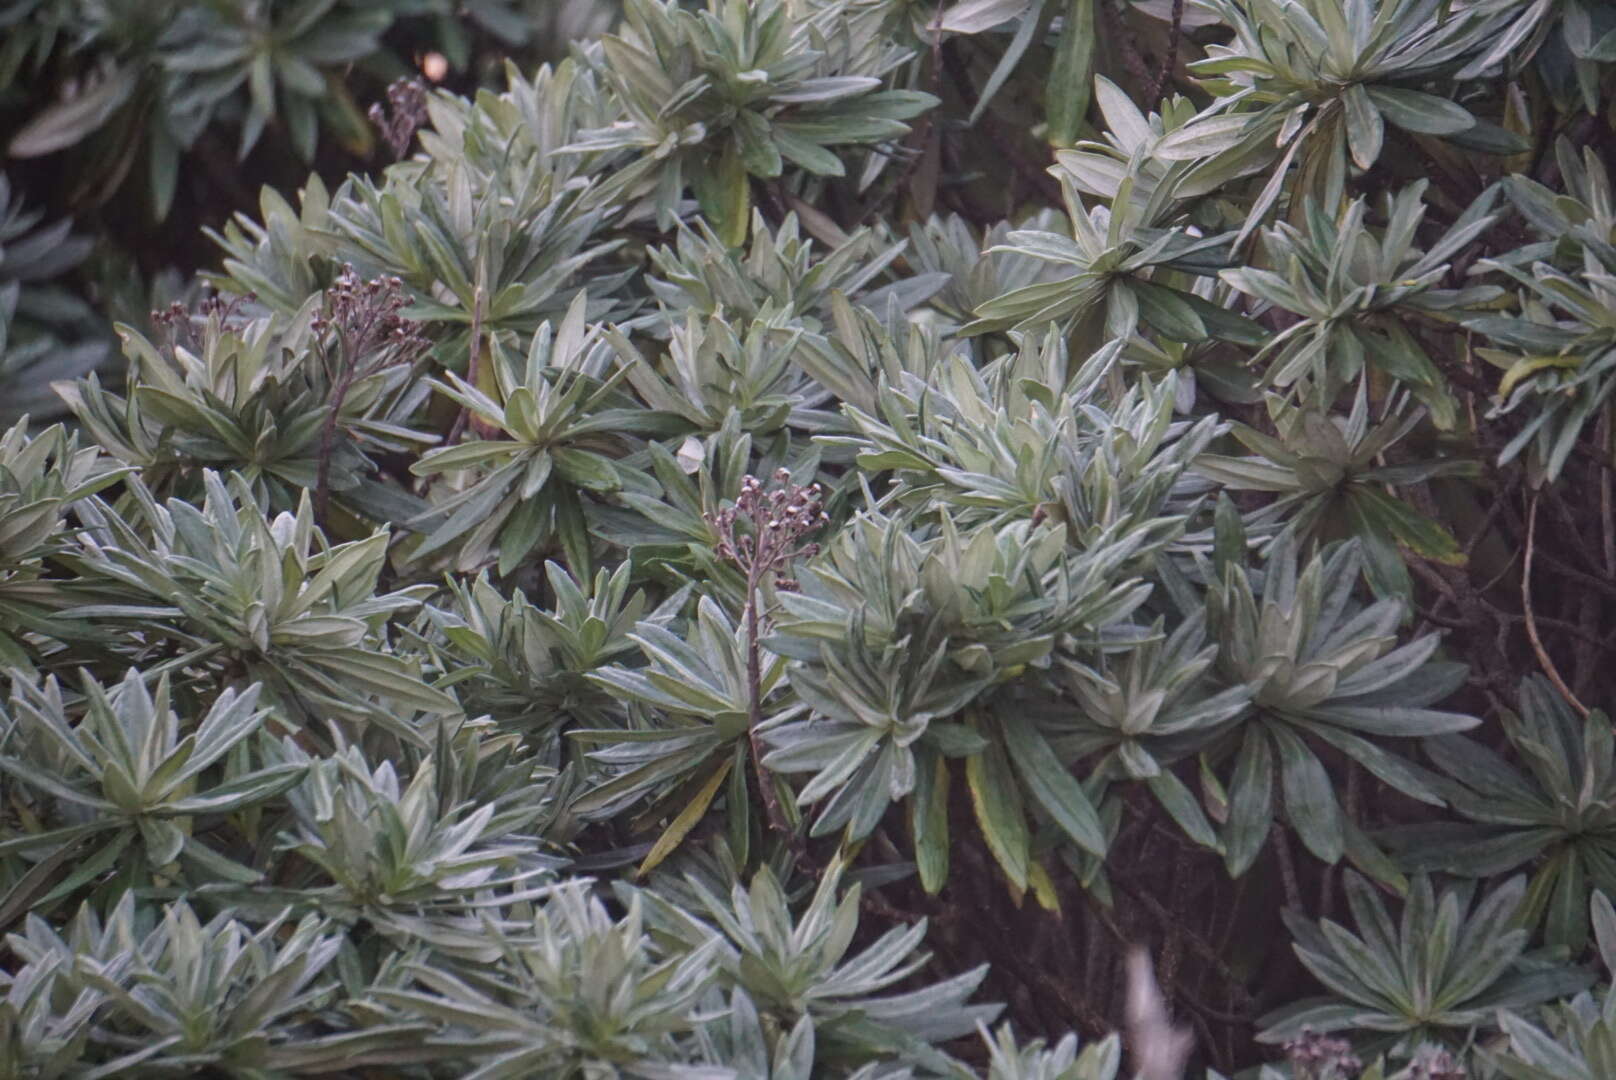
(1287, 868)
(1158, 86)
(754, 691)
(1531, 622)
(473, 364)
(1128, 45)
(328, 434)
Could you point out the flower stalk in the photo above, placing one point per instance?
(774, 522)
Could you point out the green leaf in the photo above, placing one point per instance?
(1251, 803)
(928, 821)
(68, 122)
(1179, 801)
(1051, 786)
(1423, 113)
(1604, 922)
(1310, 801)
(1168, 312)
(1365, 131)
(685, 820)
(1407, 526)
(1031, 20)
(997, 804)
(1203, 138)
(1067, 92)
(975, 16)
(723, 189)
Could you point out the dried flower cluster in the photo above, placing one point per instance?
(177, 319)
(404, 113)
(773, 523)
(375, 630)
(1433, 1063)
(371, 334)
(1314, 1056)
(366, 318)
(777, 520)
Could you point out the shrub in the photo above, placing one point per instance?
(787, 533)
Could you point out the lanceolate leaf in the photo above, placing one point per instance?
(1052, 788)
(999, 812)
(395, 684)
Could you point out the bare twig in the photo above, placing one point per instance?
(1559, 566)
(1543, 658)
(1591, 613)
(1173, 943)
(1158, 87)
(1211, 953)
(1607, 510)
(1287, 868)
(404, 113)
(1032, 172)
(178, 324)
(1129, 45)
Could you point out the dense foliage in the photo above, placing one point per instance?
(807, 538)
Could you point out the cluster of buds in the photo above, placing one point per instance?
(365, 316)
(404, 113)
(776, 521)
(1318, 1057)
(177, 319)
(1434, 1063)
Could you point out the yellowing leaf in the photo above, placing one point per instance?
(998, 813)
(1531, 365)
(1043, 888)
